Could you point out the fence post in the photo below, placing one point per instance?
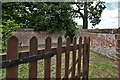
(47, 62)
(118, 54)
(12, 53)
(33, 51)
(58, 59)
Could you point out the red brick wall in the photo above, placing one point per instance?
(102, 41)
(24, 36)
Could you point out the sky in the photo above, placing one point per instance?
(109, 19)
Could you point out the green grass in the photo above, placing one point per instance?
(100, 67)
(26, 48)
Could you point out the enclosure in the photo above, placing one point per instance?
(76, 58)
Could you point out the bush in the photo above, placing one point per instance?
(6, 29)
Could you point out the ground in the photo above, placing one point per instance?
(100, 67)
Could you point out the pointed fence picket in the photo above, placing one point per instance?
(33, 51)
(58, 58)
(74, 57)
(12, 53)
(47, 62)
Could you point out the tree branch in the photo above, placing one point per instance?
(77, 11)
(79, 7)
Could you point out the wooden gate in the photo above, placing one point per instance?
(13, 58)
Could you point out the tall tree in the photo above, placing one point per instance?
(89, 10)
(85, 19)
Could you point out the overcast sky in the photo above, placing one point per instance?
(109, 17)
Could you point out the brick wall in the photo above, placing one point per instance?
(102, 41)
(24, 36)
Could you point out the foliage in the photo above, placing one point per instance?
(94, 10)
(51, 16)
(41, 16)
(46, 16)
(79, 26)
(7, 28)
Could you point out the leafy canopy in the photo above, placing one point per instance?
(51, 16)
(40, 16)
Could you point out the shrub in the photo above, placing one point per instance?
(6, 29)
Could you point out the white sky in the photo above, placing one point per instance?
(109, 17)
(110, 0)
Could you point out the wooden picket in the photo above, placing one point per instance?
(79, 58)
(33, 51)
(14, 58)
(67, 57)
(74, 57)
(58, 58)
(84, 58)
(118, 56)
(47, 62)
(12, 53)
(88, 57)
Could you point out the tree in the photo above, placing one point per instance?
(92, 11)
(39, 15)
(48, 16)
(42, 16)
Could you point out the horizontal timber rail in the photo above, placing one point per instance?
(15, 62)
(25, 58)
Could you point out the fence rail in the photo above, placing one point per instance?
(13, 58)
(42, 51)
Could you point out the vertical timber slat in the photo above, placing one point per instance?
(79, 57)
(84, 59)
(74, 57)
(118, 55)
(87, 56)
(58, 59)
(12, 53)
(67, 57)
(47, 62)
(33, 51)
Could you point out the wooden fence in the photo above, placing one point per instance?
(118, 55)
(13, 58)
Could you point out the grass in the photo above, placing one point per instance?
(26, 48)
(100, 67)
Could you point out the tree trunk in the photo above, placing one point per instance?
(85, 18)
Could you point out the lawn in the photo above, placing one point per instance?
(100, 67)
